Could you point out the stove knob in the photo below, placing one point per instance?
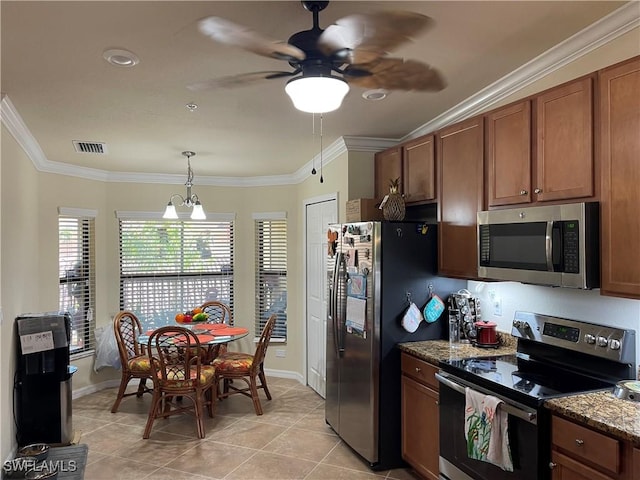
(602, 341)
(590, 339)
(614, 344)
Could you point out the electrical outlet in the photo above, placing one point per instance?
(280, 352)
(496, 302)
(497, 307)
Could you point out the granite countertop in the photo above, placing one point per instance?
(434, 351)
(601, 411)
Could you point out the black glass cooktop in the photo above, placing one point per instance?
(520, 376)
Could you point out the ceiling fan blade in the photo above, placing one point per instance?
(396, 74)
(365, 37)
(240, 80)
(225, 31)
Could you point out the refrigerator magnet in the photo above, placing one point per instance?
(357, 286)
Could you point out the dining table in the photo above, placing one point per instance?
(210, 335)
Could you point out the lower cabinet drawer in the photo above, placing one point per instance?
(420, 370)
(586, 445)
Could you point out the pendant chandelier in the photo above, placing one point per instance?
(190, 200)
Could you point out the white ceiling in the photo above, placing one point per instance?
(58, 83)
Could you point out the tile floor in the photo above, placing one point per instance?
(290, 441)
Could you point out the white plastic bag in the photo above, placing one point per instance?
(106, 349)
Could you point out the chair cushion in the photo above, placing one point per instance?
(177, 378)
(233, 362)
(139, 364)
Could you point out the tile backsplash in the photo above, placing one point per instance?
(500, 300)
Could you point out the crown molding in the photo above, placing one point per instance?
(608, 28)
(599, 33)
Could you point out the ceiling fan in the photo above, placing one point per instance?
(355, 48)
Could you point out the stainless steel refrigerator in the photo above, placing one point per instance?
(373, 268)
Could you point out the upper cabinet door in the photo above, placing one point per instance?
(564, 142)
(419, 170)
(460, 155)
(619, 147)
(508, 155)
(388, 166)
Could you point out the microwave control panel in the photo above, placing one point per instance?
(571, 246)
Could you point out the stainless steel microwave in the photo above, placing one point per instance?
(555, 245)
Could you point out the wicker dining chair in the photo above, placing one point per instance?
(133, 356)
(247, 367)
(178, 372)
(218, 313)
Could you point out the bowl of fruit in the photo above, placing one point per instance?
(192, 316)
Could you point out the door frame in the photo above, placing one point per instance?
(310, 201)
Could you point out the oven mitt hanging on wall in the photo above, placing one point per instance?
(433, 309)
(411, 318)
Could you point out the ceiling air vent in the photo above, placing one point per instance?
(90, 147)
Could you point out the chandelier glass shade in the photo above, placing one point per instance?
(190, 200)
(317, 94)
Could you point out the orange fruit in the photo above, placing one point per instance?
(197, 310)
(180, 317)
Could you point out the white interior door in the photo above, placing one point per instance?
(318, 216)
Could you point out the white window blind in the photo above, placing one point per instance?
(271, 274)
(76, 273)
(171, 267)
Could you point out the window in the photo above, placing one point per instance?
(271, 272)
(76, 275)
(168, 267)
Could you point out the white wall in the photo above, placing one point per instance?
(584, 305)
(19, 267)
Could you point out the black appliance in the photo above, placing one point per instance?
(372, 267)
(553, 245)
(555, 357)
(43, 379)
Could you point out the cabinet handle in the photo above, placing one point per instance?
(523, 192)
(552, 465)
(437, 402)
(579, 442)
(418, 369)
(537, 190)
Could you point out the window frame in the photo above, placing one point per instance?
(85, 239)
(156, 280)
(280, 331)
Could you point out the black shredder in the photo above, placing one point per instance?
(43, 379)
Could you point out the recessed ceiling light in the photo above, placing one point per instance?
(375, 94)
(120, 57)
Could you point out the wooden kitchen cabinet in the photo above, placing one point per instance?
(418, 161)
(581, 453)
(388, 166)
(420, 416)
(550, 159)
(619, 147)
(460, 158)
(508, 155)
(564, 160)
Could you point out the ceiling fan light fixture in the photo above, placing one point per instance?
(317, 94)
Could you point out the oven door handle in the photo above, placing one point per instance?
(526, 415)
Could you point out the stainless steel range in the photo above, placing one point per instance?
(555, 357)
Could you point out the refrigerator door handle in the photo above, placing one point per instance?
(341, 316)
(333, 295)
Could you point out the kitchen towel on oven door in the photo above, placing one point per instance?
(486, 430)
